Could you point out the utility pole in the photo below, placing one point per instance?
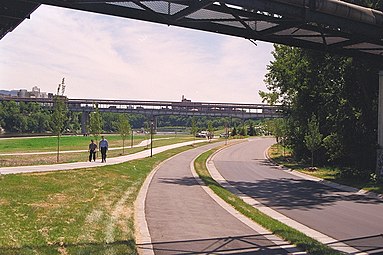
(379, 154)
(151, 137)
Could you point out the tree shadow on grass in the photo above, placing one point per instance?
(118, 247)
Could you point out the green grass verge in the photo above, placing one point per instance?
(327, 173)
(85, 211)
(285, 232)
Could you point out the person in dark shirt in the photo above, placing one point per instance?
(92, 151)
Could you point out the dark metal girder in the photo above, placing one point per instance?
(265, 20)
(193, 7)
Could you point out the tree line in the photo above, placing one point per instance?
(330, 103)
(21, 117)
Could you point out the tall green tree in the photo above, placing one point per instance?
(341, 91)
(252, 131)
(313, 137)
(210, 129)
(124, 129)
(59, 116)
(194, 128)
(95, 123)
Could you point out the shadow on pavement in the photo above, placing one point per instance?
(185, 181)
(249, 244)
(288, 193)
(371, 244)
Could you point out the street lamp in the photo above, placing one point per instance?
(151, 138)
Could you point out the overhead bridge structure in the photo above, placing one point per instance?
(158, 108)
(326, 25)
(152, 109)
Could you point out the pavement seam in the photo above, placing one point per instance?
(291, 249)
(333, 243)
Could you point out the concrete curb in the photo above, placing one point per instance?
(331, 242)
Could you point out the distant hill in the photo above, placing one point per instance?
(8, 92)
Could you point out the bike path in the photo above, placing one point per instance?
(183, 217)
(344, 219)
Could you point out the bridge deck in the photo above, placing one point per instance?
(327, 25)
(156, 108)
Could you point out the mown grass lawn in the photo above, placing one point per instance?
(44, 159)
(42, 144)
(85, 211)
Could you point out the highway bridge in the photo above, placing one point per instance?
(152, 109)
(158, 108)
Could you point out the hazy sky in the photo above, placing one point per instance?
(114, 58)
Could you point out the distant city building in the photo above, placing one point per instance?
(22, 93)
(35, 93)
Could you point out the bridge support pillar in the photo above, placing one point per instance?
(379, 156)
(84, 122)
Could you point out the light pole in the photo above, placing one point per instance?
(151, 138)
(131, 139)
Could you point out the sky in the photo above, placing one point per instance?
(106, 57)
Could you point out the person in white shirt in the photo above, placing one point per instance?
(103, 148)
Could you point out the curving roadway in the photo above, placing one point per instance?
(347, 216)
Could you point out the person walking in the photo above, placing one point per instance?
(92, 151)
(104, 148)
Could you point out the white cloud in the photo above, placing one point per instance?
(109, 57)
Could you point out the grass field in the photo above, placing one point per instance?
(67, 143)
(85, 211)
(49, 144)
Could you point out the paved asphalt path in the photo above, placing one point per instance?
(183, 219)
(352, 218)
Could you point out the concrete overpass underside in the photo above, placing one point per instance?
(326, 25)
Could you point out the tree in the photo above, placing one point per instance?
(313, 137)
(124, 129)
(95, 123)
(210, 129)
(59, 116)
(242, 130)
(193, 127)
(252, 131)
(341, 91)
(234, 131)
(270, 98)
